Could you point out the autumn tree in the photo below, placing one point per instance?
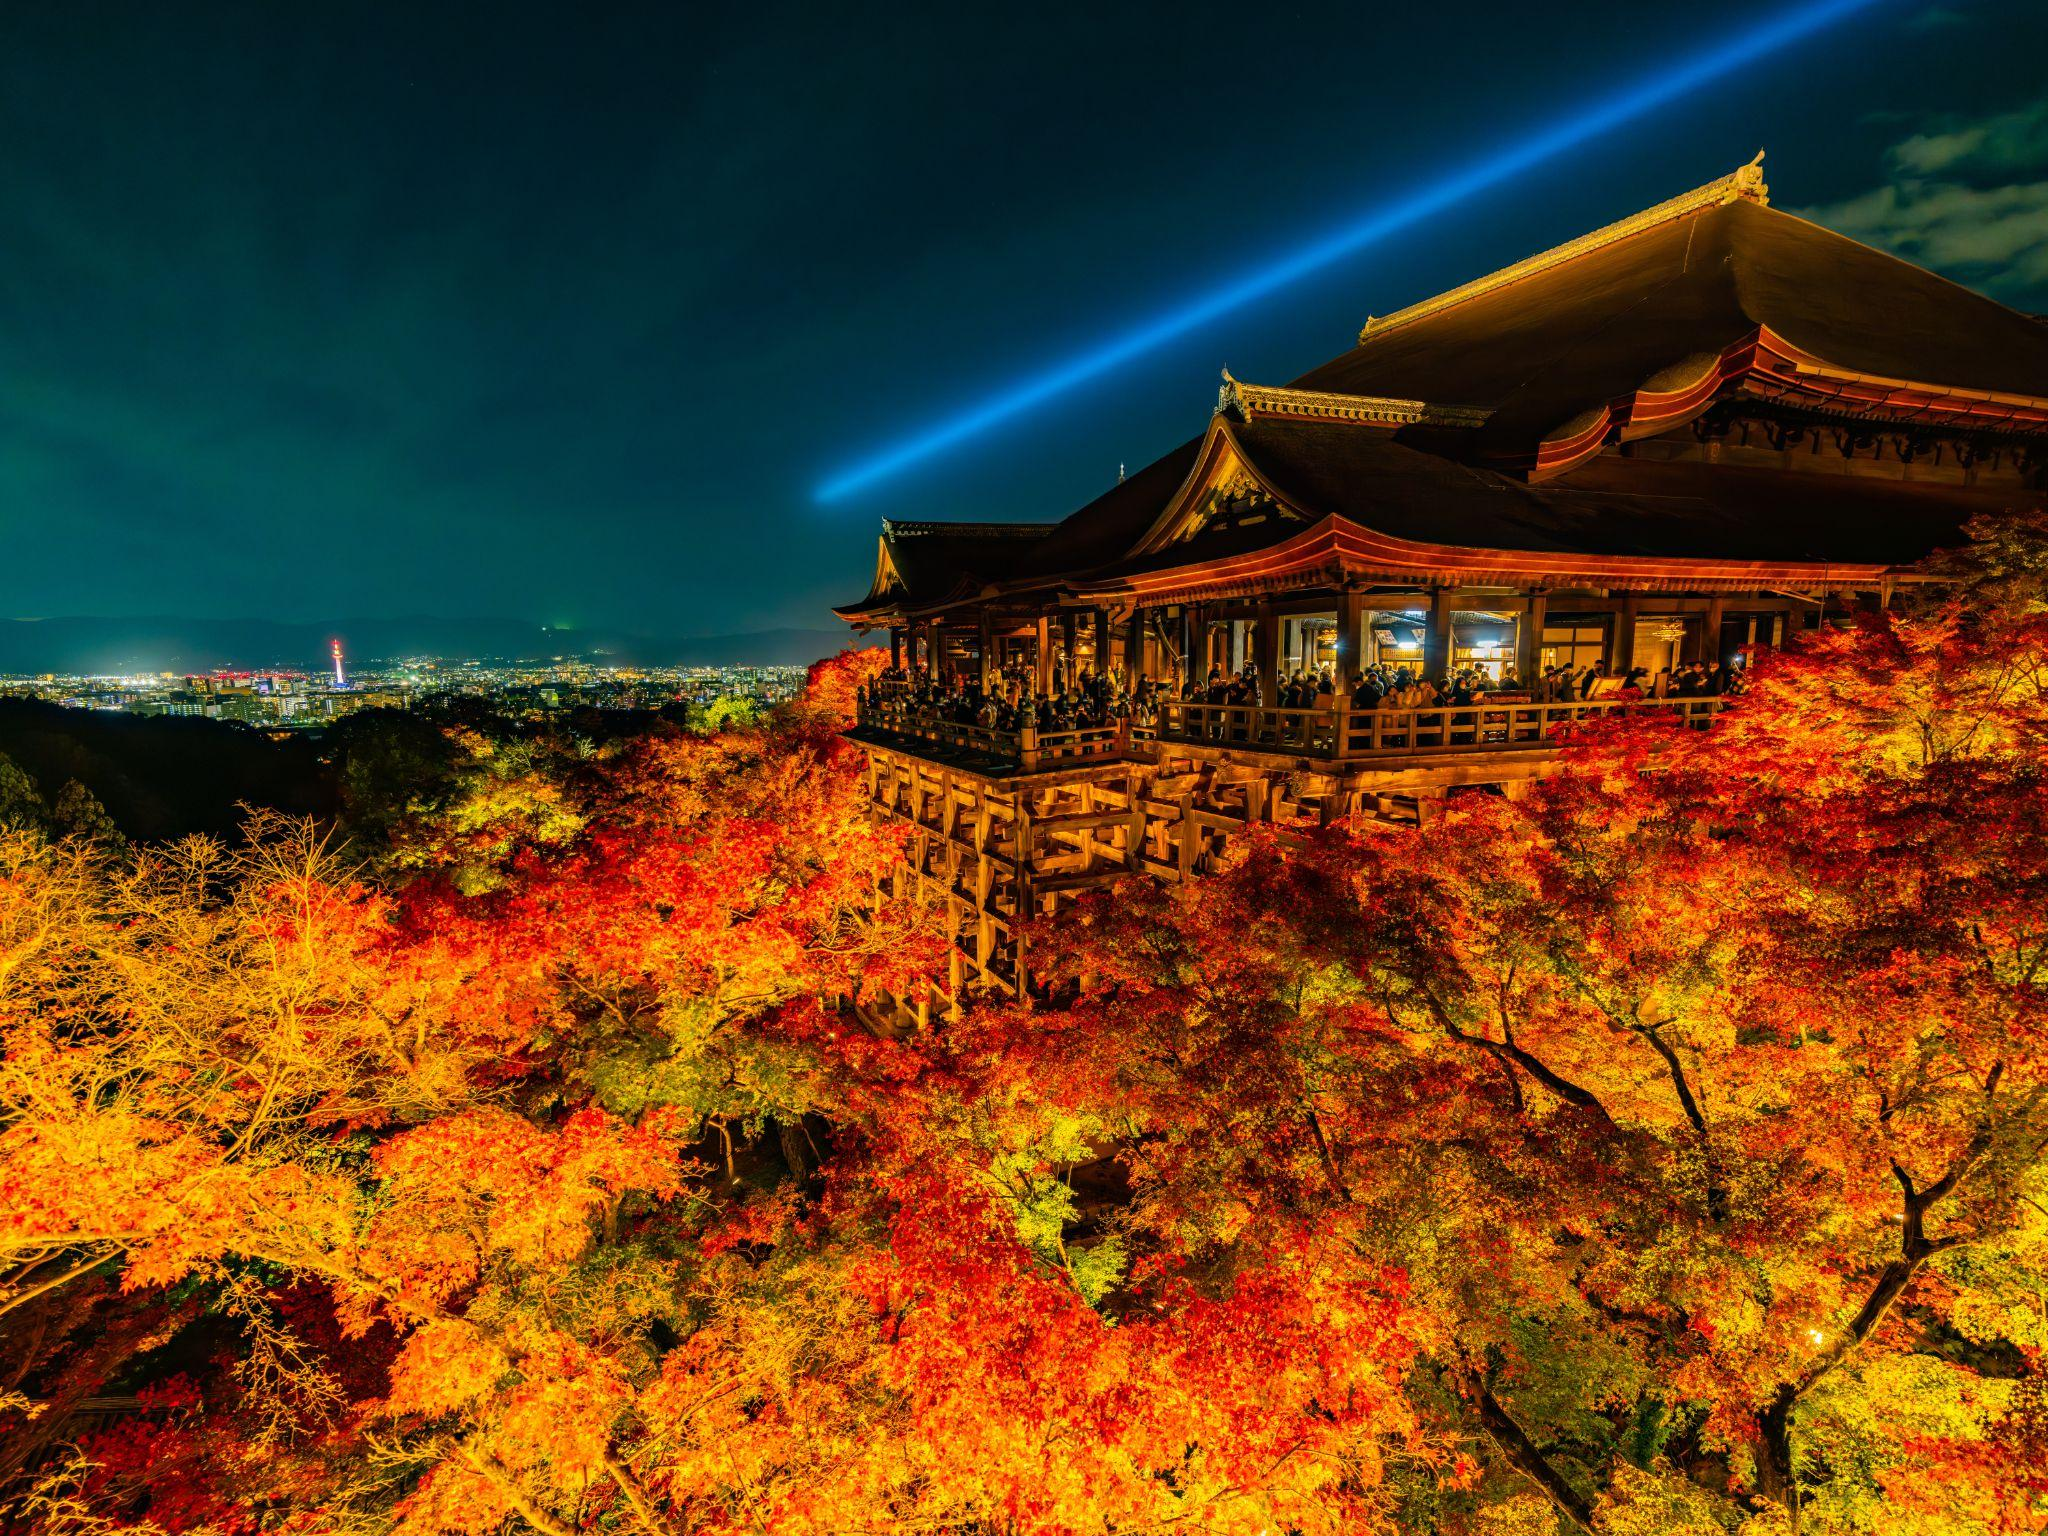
(246, 1070)
(21, 807)
(1700, 1095)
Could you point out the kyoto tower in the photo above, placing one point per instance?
(339, 680)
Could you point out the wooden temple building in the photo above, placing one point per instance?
(1671, 440)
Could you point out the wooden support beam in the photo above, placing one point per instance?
(1436, 636)
(1134, 826)
(1707, 648)
(1350, 643)
(1529, 638)
(1080, 821)
(955, 912)
(1027, 857)
(1257, 799)
(1092, 880)
(1269, 656)
(1624, 655)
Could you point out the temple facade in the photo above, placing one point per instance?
(1656, 447)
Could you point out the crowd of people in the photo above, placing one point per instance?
(1010, 701)
(1401, 688)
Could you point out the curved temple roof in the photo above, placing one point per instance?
(1398, 512)
(1475, 421)
(921, 564)
(1652, 302)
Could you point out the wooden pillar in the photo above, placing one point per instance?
(1708, 649)
(1070, 637)
(1350, 641)
(896, 647)
(1027, 895)
(1134, 648)
(988, 650)
(1099, 628)
(1269, 656)
(1436, 637)
(1624, 653)
(1044, 658)
(1196, 654)
(1529, 647)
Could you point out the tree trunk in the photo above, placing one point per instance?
(1521, 1453)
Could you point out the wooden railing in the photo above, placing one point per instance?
(1028, 747)
(1305, 732)
(898, 715)
(1350, 733)
(1082, 744)
(1339, 735)
(1366, 733)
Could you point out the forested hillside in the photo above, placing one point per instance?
(498, 1150)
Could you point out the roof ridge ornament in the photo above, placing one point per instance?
(1243, 402)
(898, 527)
(1743, 184)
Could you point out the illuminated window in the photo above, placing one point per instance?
(1577, 643)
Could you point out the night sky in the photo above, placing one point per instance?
(562, 314)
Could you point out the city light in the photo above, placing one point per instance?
(1526, 151)
(288, 698)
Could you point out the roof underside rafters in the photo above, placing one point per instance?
(1767, 366)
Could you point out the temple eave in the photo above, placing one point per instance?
(1337, 550)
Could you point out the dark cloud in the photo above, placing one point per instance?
(1967, 197)
(1991, 147)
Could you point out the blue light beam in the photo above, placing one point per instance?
(1630, 103)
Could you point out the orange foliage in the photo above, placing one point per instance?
(1660, 1152)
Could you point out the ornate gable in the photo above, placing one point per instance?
(1237, 501)
(1222, 493)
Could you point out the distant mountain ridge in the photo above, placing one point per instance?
(166, 644)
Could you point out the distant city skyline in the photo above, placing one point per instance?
(156, 643)
(292, 699)
(376, 309)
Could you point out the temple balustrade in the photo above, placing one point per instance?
(1028, 747)
(1337, 734)
(1344, 734)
